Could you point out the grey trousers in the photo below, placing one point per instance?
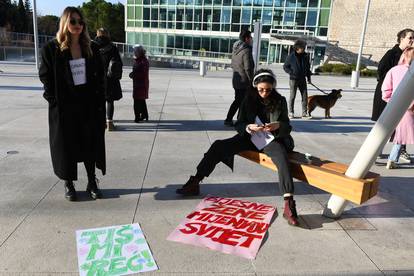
(294, 85)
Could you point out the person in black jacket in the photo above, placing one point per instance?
(243, 68)
(72, 74)
(297, 65)
(113, 71)
(405, 38)
(263, 110)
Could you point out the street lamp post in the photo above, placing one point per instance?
(36, 40)
(356, 73)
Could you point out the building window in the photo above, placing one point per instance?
(290, 3)
(258, 3)
(324, 18)
(246, 13)
(257, 15)
(267, 17)
(312, 15)
(154, 14)
(300, 18)
(268, 3)
(225, 16)
(237, 2)
(279, 3)
(147, 13)
(302, 3)
(326, 3)
(277, 19)
(289, 18)
(313, 3)
(235, 16)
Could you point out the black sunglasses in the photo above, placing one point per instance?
(74, 21)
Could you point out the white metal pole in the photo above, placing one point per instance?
(35, 32)
(256, 43)
(377, 138)
(355, 74)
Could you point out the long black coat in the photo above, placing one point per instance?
(389, 60)
(64, 132)
(113, 68)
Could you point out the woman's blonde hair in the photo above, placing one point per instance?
(407, 56)
(63, 36)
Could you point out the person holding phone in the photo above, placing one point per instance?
(265, 105)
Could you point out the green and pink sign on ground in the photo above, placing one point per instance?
(113, 250)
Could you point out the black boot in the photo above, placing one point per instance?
(191, 188)
(92, 189)
(70, 192)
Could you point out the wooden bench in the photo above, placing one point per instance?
(324, 174)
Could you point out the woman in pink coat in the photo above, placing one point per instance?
(140, 78)
(404, 133)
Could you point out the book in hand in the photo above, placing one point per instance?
(261, 138)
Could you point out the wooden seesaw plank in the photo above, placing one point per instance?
(323, 174)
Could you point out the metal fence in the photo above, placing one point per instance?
(20, 47)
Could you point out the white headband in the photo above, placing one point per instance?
(264, 74)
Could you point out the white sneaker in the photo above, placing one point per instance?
(391, 165)
(291, 115)
(404, 156)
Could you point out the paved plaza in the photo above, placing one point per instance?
(147, 161)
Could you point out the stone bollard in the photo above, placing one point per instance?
(203, 68)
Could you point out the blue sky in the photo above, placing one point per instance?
(55, 7)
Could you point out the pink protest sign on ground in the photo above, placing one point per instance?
(228, 225)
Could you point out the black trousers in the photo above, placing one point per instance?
(110, 110)
(227, 148)
(239, 95)
(294, 85)
(140, 110)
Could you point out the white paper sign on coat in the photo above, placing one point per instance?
(78, 68)
(261, 138)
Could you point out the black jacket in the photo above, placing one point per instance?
(297, 68)
(113, 68)
(252, 106)
(64, 132)
(389, 60)
(242, 64)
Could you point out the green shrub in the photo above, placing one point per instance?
(345, 69)
(368, 73)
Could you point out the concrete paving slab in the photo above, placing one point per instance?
(149, 160)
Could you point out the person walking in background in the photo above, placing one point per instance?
(243, 70)
(405, 39)
(72, 74)
(297, 65)
(263, 111)
(404, 133)
(140, 78)
(113, 71)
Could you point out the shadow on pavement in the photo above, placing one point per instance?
(15, 87)
(334, 125)
(172, 125)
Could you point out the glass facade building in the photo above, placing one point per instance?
(183, 26)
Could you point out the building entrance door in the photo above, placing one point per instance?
(278, 53)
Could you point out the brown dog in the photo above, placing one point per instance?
(324, 101)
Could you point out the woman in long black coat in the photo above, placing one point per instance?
(113, 71)
(72, 74)
(390, 59)
(405, 39)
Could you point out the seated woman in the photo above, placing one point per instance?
(262, 104)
